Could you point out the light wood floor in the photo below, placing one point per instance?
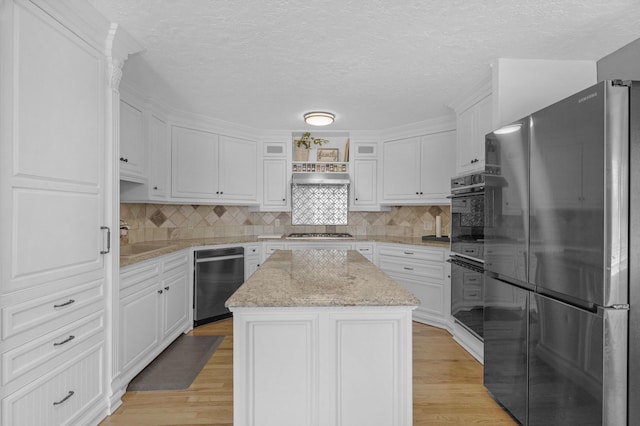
(447, 388)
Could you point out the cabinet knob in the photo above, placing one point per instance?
(221, 192)
(155, 187)
(417, 193)
(167, 288)
(421, 193)
(217, 192)
(126, 160)
(356, 199)
(284, 199)
(160, 291)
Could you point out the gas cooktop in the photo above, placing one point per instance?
(320, 235)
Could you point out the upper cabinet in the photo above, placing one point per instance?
(418, 170)
(159, 155)
(275, 177)
(364, 180)
(473, 124)
(209, 167)
(474, 119)
(132, 142)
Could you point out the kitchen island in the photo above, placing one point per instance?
(322, 337)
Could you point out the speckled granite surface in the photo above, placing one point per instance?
(297, 278)
(170, 246)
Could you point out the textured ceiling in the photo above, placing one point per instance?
(375, 63)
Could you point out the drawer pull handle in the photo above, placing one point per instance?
(64, 304)
(408, 252)
(408, 269)
(67, 340)
(167, 288)
(160, 292)
(69, 395)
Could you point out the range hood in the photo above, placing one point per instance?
(319, 178)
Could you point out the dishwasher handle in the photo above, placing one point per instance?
(219, 258)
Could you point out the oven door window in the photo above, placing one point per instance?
(467, 304)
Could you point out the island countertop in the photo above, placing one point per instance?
(303, 278)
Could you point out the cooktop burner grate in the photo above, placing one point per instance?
(320, 235)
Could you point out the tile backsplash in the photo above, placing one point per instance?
(152, 222)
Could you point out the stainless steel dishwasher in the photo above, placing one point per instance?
(218, 274)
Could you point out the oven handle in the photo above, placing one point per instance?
(465, 195)
(457, 261)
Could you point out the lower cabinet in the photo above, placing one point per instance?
(252, 259)
(322, 366)
(422, 271)
(154, 310)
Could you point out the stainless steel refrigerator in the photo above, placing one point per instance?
(562, 261)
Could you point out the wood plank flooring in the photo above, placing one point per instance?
(447, 388)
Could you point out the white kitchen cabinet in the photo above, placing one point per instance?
(252, 259)
(422, 271)
(368, 250)
(154, 310)
(159, 164)
(322, 365)
(237, 165)
(365, 185)
(274, 183)
(473, 124)
(194, 164)
(209, 167)
(417, 170)
(132, 142)
(54, 167)
(269, 247)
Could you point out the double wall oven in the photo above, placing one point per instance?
(467, 246)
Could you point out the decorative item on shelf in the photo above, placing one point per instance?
(303, 145)
(328, 154)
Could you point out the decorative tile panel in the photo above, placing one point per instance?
(319, 204)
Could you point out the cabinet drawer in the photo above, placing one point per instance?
(60, 396)
(269, 248)
(472, 294)
(365, 249)
(416, 269)
(51, 312)
(174, 263)
(135, 274)
(41, 355)
(252, 250)
(409, 252)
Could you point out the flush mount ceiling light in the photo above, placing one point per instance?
(319, 118)
(508, 129)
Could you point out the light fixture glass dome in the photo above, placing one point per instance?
(319, 118)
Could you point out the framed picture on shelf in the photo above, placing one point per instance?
(326, 155)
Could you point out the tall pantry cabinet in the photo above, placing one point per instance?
(59, 69)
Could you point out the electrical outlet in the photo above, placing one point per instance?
(277, 222)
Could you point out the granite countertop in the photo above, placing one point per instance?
(170, 246)
(304, 278)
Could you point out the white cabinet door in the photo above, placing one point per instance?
(438, 160)
(365, 183)
(175, 293)
(274, 190)
(194, 171)
(132, 142)
(159, 165)
(401, 169)
(473, 124)
(237, 165)
(139, 331)
(418, 169)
